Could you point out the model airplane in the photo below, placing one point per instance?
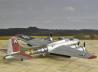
(64, 47)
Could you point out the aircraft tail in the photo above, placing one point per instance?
(13, 46)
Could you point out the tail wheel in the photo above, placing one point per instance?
(22, 59)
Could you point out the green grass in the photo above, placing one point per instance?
(4, 37)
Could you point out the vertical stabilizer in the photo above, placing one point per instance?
(13, 46)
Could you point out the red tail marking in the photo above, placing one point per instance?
(15, 45)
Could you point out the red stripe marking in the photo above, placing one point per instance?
(92, 57)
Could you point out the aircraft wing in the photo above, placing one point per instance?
(32, 41)
(71, 51)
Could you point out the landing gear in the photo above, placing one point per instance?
(22, 59)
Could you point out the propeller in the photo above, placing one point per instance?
(50, 34)
(78, 43)
(84, 44)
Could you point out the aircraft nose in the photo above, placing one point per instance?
(92, 57)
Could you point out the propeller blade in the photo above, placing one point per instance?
(78, 43)
(50, 35)
(84, 44)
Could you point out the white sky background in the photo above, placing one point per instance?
(49, 14)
